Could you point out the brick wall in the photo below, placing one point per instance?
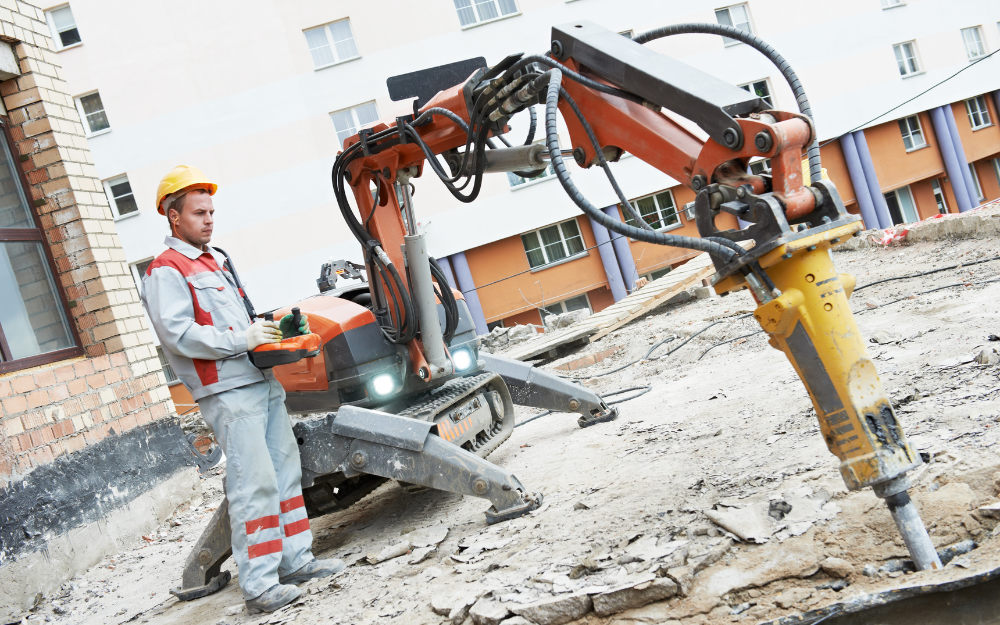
(59, 408)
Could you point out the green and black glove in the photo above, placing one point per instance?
(288, 330)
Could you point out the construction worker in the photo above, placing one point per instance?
(205, 331)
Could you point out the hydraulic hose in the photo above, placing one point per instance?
(815, 167)
(650, 236)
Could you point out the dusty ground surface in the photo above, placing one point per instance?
(728, 435)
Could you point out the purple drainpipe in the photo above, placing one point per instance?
(468, 288)
(956, 140)
(448, 273)
(626, 264)
(611, 269)
(874, 189)
(857, 174)
(952, 164)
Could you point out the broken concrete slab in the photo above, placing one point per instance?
(565, 320)
(792, 597)
(390, 552)
(557, 610)
(837, 567)
(634, 595)
(791, 513)
(797, 558)
(427, 536)
(487, 611)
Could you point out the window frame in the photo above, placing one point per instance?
(978, 31)
(354, 117)
(978, 185)
(659, 214)
(983, 112)
(916, 57)
(939, 197)
(909, 133)
(727, 41)
(547, 173)
(111, 198)
(899, 203)
(767, 85)
(83, 115)
(332, 44)
(35, 234)
(56, 39)
(562, 239)
(562, 304)
(479, 22)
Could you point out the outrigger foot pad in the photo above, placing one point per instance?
(608, 415)
(215, 585)
(531, 502)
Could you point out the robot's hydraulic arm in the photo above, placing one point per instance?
(611, 92)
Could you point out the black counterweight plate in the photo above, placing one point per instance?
(425, 83)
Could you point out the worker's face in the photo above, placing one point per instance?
(194, 223)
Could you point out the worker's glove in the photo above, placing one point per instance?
(262, 332)
(288, 329)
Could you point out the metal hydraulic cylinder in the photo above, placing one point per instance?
(812, 323)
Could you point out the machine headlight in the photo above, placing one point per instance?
(462, 358)
(383, 384)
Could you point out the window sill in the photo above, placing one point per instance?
(495, 19)
(98, 133)
(912, 74)
(975, 128)
(127, 216)
(70, 46)
(353, 58)
(568, 259)
(919, 147)
(532, 183)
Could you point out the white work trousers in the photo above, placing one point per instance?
(271, 534)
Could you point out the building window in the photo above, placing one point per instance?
(580, 302)
(975, 182)
(979, 113)
(973, 38)
(759, 167)
(119, 193)
(168, 371)
(760, 88)
(913, 135)
(659, 273)
(901, 207)
(471, 12)
(91, 110)
(888, 4)
(34, 324)
(516, 181)
(906, 58)
(659, 211)
(331, 43)
(996, 168)
(737, 16)
(63, 27)
(553, 244)
(942, 206)
(349, 120)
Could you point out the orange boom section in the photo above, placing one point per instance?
(329, 317)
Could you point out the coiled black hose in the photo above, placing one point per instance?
(815, 167)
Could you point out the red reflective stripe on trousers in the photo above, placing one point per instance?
(263, 523)
(291, 504)
(271, 546)
(297, 527)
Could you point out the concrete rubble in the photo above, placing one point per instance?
(712, 499)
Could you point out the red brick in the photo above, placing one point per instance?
(77, 386)
(123, 390)
(57, 448)
(8, 87)
(126, 372)
(65, 373)
(102, 363)
(25, 441)
(40, 456)
(116, 409)
(40, 436)
(158, 410)
(91, 401)
(15, 404)
(37, 176)
(37, 399)
(113, 376)
(96, 381)
(143, 416)
(96, 416)
(83, 368)
(95, 435)
(5, 390)
(15, 444)
(75, 443)
(63, 428)
(45, 378)
(96, 350)
(119, 359)
(59, 393)
(126, 423)
(23, 384)
(32, 420)
(17, 133)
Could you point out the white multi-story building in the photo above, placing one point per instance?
(259, 94)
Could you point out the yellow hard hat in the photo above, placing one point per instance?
(180, 178)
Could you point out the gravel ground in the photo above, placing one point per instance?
(639, 504)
